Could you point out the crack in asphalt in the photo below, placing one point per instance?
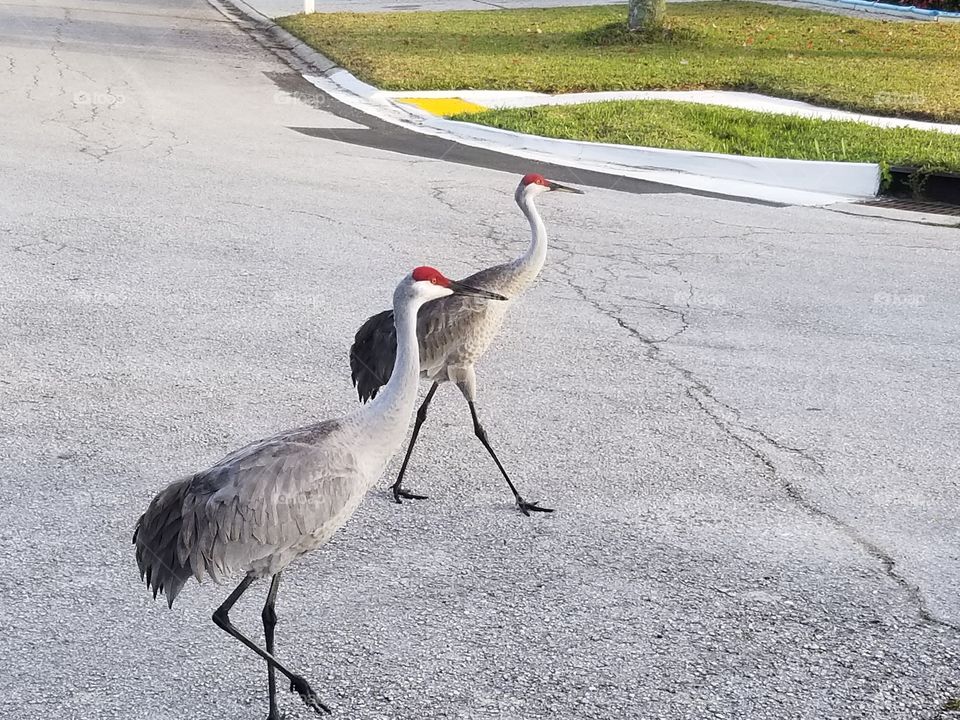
(796, 495)
(763, 229)
(44, 248)
(177, 142)
(737, 430)
(885, 218)
(439, 193)
(58, 40)
(35, 79)
(925, 247)
(285, 210)
(62, 66)
(94, 104)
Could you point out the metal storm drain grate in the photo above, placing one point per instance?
(922, 206)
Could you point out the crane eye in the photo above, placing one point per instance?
(433, 280)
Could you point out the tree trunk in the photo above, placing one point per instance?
(646, 14)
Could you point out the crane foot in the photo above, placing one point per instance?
(307, 694)
(399, 495)
(526, 508)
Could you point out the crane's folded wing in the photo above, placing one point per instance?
(269, 498)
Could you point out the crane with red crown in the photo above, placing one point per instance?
(454, 332)
(277, 499)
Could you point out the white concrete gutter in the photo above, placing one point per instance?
(796, 182)
(835, 178)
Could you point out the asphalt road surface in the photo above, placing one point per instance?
(744, 415)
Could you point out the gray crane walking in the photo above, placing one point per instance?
(454, 334)
(263, 506)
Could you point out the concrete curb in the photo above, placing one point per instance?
(840, 178)
(497, 99)
(805, 181)
(904, 12)
(798, 182)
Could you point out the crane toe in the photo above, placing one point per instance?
(526, 507)
(309, 697)
(399, 495)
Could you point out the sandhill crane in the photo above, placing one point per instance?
(454, 334)
(265, 505)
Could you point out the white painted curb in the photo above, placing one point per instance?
(499, 99)
(840, 178)
(374, 103)
(760, 178)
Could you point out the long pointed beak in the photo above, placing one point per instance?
(564, 188)
(461, 289)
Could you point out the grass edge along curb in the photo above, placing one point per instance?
(715, 129)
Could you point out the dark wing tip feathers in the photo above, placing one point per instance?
(371, 364)
(155, 537)
(372, 354)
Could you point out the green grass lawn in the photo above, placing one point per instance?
(709, 128)
(889, 68)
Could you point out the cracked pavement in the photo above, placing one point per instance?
(743, 414)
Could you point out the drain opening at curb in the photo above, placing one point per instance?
(922, 206)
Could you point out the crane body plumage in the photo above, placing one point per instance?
(270, 502)
(257, 509)
(455, 332)
(452, 335)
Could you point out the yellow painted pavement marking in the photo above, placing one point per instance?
(443, 106)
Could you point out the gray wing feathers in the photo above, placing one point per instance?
(446, 328)
(442, 325)
(497, 278)
(259, 501)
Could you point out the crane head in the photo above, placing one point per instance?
(429, 283)
(533, 183)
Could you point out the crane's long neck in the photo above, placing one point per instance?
(528, 266)
(384, 421)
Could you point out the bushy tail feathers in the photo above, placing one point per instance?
(156, 536)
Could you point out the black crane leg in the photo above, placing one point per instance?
(221, 617)
(399, 492)
(525, 507)
(269, 616)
